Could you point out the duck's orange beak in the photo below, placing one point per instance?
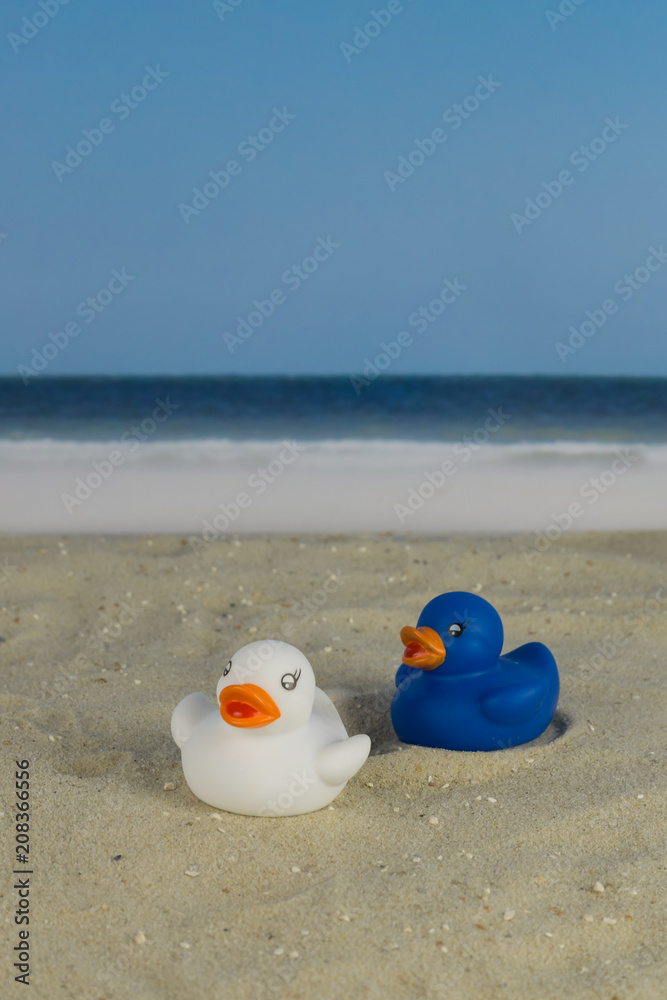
(423, 647)
(247, 706)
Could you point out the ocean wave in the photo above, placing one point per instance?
(222, 451)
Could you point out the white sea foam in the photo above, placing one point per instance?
(336, 485)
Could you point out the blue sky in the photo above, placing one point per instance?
(339, 109)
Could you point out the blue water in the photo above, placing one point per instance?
(319, 408)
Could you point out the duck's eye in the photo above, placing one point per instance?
(227, 669)
(455, 630)
(289, 681)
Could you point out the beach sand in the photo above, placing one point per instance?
(435, 874)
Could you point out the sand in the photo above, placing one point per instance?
(435, 874)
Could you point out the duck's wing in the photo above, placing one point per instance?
(534, 656)
(187, 715)
(323, 705)
(533, 674)
(337, 763)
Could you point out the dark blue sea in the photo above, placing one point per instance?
(413, 408)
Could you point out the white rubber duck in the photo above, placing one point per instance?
(275, 745)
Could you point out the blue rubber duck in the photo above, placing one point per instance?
(455, 691)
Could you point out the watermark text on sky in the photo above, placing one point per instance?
(249, 149)
(122, 107)
(454, 117)
(625, 288)
(581, 158)
(31, 26)
(364, 34)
